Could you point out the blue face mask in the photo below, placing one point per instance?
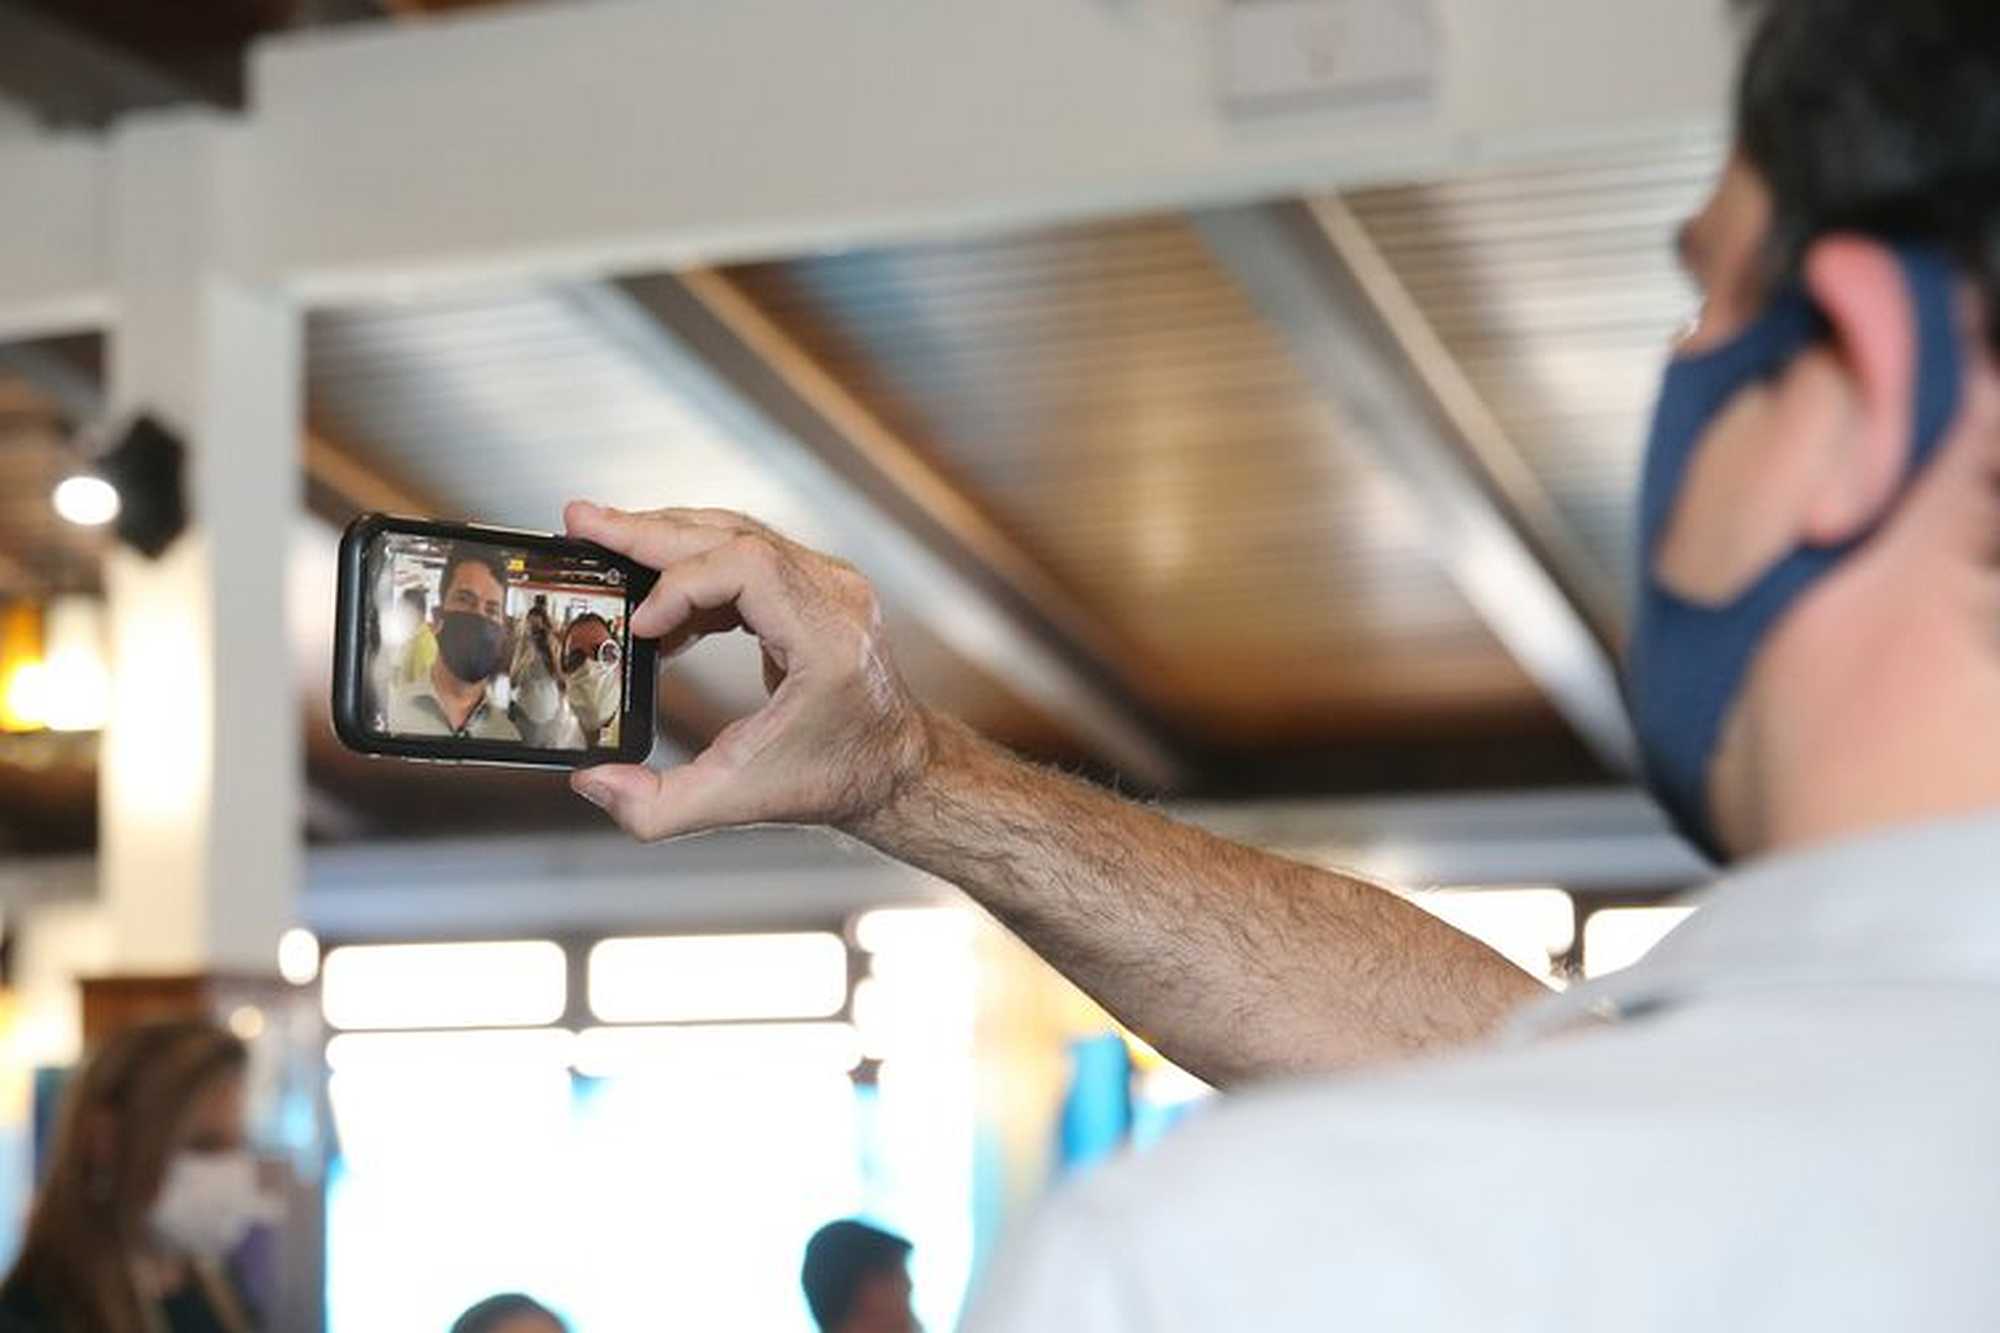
(1688, 660)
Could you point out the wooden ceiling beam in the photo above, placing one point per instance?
(927, 545)
(1341, 309)
(359, 486)
(860, 444)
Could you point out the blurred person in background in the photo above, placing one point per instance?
(857, 1280)
(539, 704)
(455, 697)
(420, 645)
(509, 1313)
(149, 1189)
(1783, 1116)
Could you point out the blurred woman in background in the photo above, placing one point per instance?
(149, 1189)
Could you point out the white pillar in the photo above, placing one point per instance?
(200, 786)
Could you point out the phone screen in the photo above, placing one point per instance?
(485, 641)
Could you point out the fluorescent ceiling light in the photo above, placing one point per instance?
(519, 983)
(701, 978)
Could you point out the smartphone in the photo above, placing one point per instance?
(462, 643)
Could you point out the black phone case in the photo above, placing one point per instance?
(635, 731)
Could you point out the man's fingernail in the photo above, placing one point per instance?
(596, 793)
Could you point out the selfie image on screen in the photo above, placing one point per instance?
(487, 642)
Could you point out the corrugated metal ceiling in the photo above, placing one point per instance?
(1108, 396)
(1113, 400)
(1557, 291)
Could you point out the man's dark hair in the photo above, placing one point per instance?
(491, 1312)
(1877, 116)
(461, 554)
(839, 1257)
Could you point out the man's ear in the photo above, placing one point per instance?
(1859, 284)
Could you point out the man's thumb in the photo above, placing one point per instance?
(626, 792)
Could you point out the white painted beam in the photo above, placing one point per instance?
(467, 888)
(1606, 840)
(625, 136)
(622, 137)
(199, 793)
(28, 880)
(1589, 840)
(54, 266)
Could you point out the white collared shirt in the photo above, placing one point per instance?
(1794, 1125)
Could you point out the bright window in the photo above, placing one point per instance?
(705, 978)
(1617, 937)
(745, 1051)
(518, 983)
(665, 1168)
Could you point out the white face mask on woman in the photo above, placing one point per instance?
(208, 1203)
(595, 693)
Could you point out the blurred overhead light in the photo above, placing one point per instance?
(247, 1022)
(922, 930)
(298, 956)
(52, 670)
(695, 978)
(86, 500)
(520, 983)
(919, 1000)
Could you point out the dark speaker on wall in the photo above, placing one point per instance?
(146, 466)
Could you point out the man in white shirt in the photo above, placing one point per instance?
(1786, 1117)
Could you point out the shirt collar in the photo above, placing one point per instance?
(426, 694)
(1917, 906)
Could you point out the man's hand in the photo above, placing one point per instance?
(839, 736)
(1235, 963)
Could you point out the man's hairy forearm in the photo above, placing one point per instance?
(1235, 963)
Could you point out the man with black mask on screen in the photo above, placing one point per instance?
(455, 697)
